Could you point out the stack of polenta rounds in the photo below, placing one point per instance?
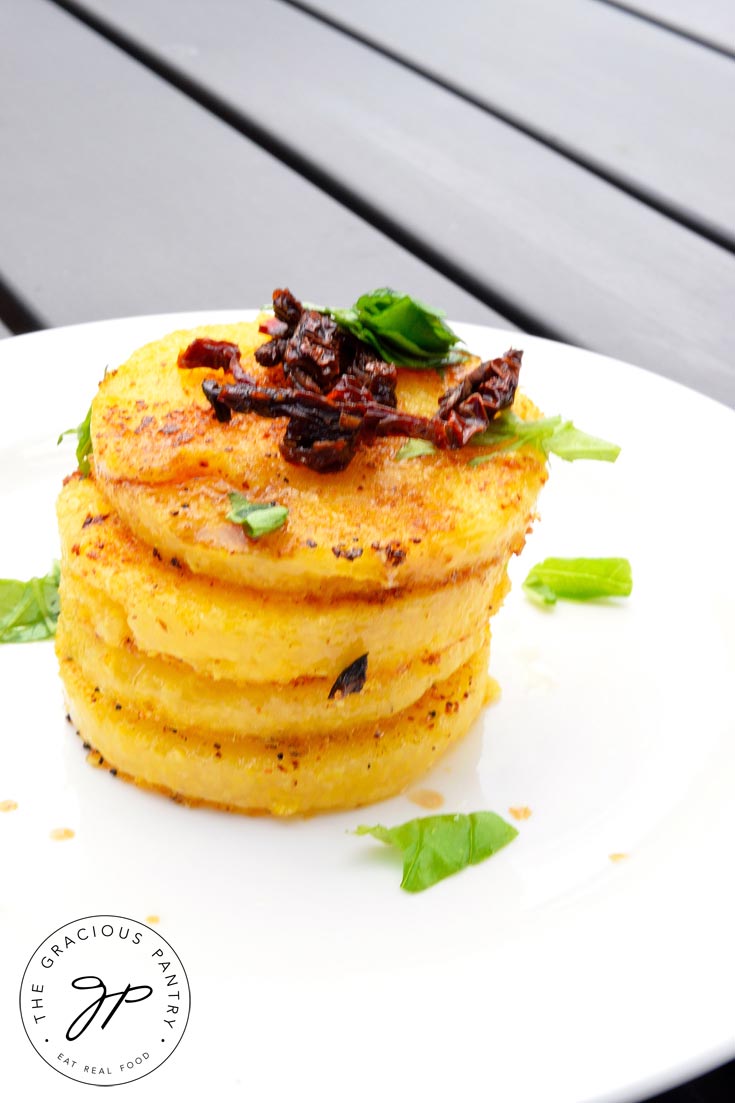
(205, 663)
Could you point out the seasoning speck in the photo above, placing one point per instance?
(426, 798)
(61, 833)
(393, 552)
(153, 919)
(618, 857)
(520, 812)
(8, 805)
(342, 552)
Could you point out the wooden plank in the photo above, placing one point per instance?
(526, 224)
(709, 21)
(128, 198)
(650, 109)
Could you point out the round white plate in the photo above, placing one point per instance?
(549, 973)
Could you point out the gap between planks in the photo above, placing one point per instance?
(15, 312)
(673, 28)
(518, 316)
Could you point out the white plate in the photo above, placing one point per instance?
(549, 973)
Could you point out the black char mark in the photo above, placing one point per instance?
(352, 678)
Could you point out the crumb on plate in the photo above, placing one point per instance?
(426, 798)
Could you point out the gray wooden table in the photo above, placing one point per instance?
(567, 169)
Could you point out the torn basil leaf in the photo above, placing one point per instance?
(256, 518)
(507, 432)
(352, 678)
(435, 847)
(402, 330)
(84, 441)
(414, 448)
(578, 579)
(571, 443)
(29, 610)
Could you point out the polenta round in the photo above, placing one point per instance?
(167, 465)
(228, 631)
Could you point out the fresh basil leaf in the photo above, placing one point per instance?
(400, 329)
(434, 847)
(409, 324)
(571, 443)
(29, 610)
(541, 593)
(414, 448)
(578, 579)
(257, 518)
(84, 441)
(508, 432)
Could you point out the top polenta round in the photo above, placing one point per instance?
(168, 465)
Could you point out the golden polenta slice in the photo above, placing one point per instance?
(284, 776)
(167, 466)
(227, 631)
(168, 690)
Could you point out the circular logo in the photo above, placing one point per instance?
(104, 1000)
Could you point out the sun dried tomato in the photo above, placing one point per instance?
(339, 393)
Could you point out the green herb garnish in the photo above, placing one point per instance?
(257, 518)
(578, 580)
(400, 329)
(84, 442)
(29, 610)
(414, 448)
(571, 443)
(508, 432)
(434, 847)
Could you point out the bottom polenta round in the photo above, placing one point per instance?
(283, 776)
